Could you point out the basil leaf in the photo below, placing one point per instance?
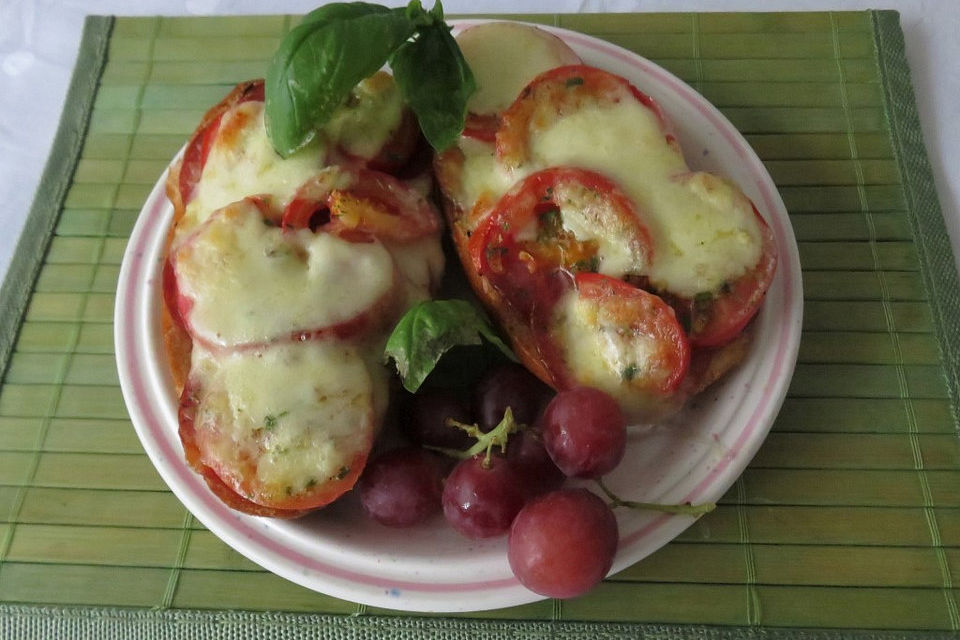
(435, 81)
(418, 16)
(342, 10)
(429, 330)
(321, 60)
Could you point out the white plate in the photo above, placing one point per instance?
(339, 552)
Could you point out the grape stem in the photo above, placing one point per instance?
(682, 509)
(496, 437)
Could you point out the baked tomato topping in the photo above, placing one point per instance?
(235, 482)
(177, 306)
(716, 318)
(557, 92)
(220, 282)
(186, 417)
(562, 217)
(482, 127)
(650, 348)
(357, 203)
(546, 239)
(198, 149)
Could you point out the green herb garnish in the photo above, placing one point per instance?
(322, 59)
(432, 328)
(591, 264)
(270, 421)
(550, 225)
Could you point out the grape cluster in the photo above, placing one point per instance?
(561, 540)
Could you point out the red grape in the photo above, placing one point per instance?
(402, 487)
(508, 385)
(529, 458)
(424, 419)
(562, 543)
(584, 431)
(481, 501)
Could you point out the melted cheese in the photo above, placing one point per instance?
(251, 282)
(370, 115)
(600, 350)
(585, 214)
(421, 264)
(278, 415)
(504, 57)
(601, 354)
(703, 228)
(483, 179)
(299, 412)
(242, 163)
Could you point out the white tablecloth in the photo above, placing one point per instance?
(39, 38)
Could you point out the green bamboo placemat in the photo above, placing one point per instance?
(848, 518)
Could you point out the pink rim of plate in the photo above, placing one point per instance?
(252, 538)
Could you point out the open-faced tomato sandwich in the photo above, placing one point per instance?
(607, 261)
(283, 278)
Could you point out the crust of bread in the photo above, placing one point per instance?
(178, 347)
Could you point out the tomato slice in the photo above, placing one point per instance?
(198, 149)
(355, 203)
(176, 304)
(559, 91)
(527, 255)
(716, 319)
(188, 437)
(525, 232)
(195, 158)
(482, 127)
(230, 463)
(649, 342)
(208, 273)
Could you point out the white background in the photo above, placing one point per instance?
(39, 39)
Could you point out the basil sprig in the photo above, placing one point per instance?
(435, 81)
(338, 45)
(430, 329)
